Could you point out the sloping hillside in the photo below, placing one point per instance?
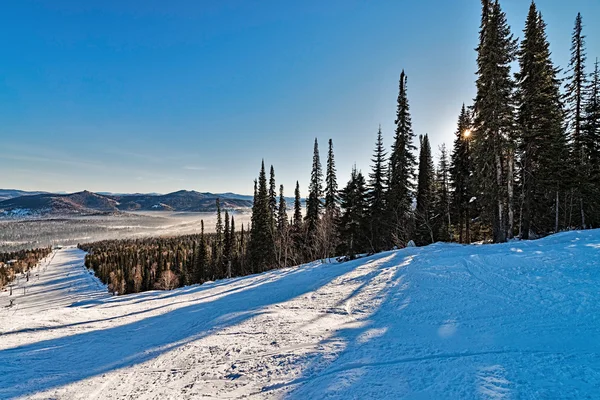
(518, 320)
(88, 203)
(183, 200)
(49, 203)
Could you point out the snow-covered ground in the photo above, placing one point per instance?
(518, 320)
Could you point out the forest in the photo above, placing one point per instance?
(17, 262)
(524, 163)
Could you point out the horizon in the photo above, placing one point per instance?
(113, 97)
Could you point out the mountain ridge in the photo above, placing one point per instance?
(91, 203)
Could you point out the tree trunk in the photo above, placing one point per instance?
(510, 188)
(556, 213)
(499, 235)
(582, 211)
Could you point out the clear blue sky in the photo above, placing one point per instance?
(156, 96)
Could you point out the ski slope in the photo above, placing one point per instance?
(516, 320)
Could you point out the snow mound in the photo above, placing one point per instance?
(517, 320)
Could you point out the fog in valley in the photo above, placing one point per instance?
(25, 233)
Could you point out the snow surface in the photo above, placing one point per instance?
(517, 320)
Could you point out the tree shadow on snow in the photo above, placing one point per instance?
(61, 361)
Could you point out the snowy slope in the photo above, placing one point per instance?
(518, 320)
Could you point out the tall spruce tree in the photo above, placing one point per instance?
(442, 214)
(227, 247)
(282, 217)
(283, 232)
(574, 102)
(591, 131)
(402, 171)
(494, 122)
(425, 195)
(353, 224)
(461, 176)
(261, 246)
(332, 208)
(331, 186)
(272, 198)
(297, 228)
(297, 207)
(376, 197)
(542, 144)
(315, 193)
(218, 243)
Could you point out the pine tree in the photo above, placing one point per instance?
(591, 131)
(331, 186)
(442, 216)
(297, 229)
(460, 176)
(283, 233)
(226, 248)
(353, 223)
(574, 101)
(493, 142)
(315, 193)
(282, 217)
(272, 198)
(297, 207)
(425, 194)
(402, 166)
(218, 244)
(329, 234)
(542, 144)
(261, 247)
(377, 190)
(200, 267)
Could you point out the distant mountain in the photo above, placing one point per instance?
(89, 203)
(82, 203)
(6, 194)
(183, 200)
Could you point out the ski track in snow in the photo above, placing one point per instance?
(517, 320)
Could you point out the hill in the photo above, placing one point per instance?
(515, 320)
(183, 200)
(89, 203)
(6, 194)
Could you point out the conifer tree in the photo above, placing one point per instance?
(425, 194)
(591, 131)
(227, 247)
(315, 193)
(354, 226)
(493, 142)
(282, 217)
(442, 215)
(402, 166)
(460, 176)
(218, 244)
(331, 186)
(542, 144)
(272, 197)
(200, 267)
(297, 227)
(376, 197)
(574, 101)
(328, 231)
(261, 247)
(297, 207)
(283, 232)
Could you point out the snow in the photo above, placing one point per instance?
(517, 320)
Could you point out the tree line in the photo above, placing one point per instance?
(524, 162)
(17, 262)
(137, 265)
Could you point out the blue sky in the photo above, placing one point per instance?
(156, 96)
